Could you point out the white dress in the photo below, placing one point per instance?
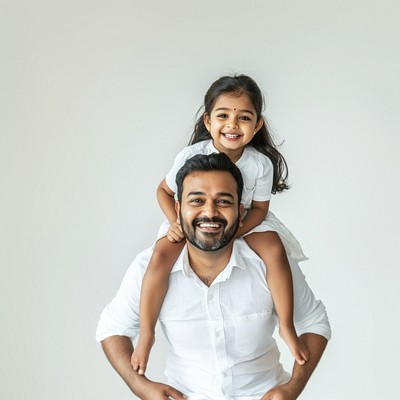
(257, 171)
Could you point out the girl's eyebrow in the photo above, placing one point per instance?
(229, 109)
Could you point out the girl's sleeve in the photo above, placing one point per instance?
(180, 159)
(263, 187)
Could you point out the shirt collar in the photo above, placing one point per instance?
(236, 261)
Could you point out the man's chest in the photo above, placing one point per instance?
(235, 315)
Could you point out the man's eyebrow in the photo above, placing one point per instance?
(229, 109)
(195, 194)
(219, 194)
(225, 194)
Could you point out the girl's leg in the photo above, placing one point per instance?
(154, 289)
(279, 277)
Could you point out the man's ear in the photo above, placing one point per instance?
(241, 210)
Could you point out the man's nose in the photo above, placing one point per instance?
(210, 210)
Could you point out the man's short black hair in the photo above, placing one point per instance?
(210, 162)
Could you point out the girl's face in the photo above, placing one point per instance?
(232, 124)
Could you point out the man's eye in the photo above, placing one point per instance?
(224, 202)
(196, 201)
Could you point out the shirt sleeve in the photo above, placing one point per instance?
(263, 188)
(121, 316)
(180, 159)
(309, 314)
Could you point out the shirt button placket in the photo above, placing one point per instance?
(217, 326)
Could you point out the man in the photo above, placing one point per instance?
(218, 315)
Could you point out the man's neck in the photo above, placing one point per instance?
(207, 265)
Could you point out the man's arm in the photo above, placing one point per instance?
(301, 373)
(119, 322)
(312, 325)
(118, 350)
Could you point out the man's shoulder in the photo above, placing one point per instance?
(140, 262)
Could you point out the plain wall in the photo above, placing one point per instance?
(97, 97)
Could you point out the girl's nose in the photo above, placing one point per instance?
(232, 123)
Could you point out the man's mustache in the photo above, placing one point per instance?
(218, 220)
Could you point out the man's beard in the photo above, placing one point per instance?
(209, 241)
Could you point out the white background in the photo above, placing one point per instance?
(97, 97)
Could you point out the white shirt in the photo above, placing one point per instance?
(220, 337)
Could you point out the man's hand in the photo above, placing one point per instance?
(175, 234)
(301, 373)
(281, 392)
(160, 391)
(118, 350)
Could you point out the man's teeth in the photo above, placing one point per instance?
(208, 225)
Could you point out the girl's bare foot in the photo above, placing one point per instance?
(141, 353)
(296, 346)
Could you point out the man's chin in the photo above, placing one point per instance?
(209, 245)
(209, 241)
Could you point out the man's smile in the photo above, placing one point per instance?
(212, 225)
(209, 225)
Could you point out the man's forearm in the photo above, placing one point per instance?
(301, 373)
(118, 350)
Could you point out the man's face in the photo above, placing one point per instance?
(209, 211)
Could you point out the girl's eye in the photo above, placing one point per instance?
(222, 116)
(245, 118)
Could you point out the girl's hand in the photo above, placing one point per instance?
(175, 234)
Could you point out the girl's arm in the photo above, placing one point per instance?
(165, 197)
(254, 217)
(166, 200)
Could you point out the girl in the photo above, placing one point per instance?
(231, 123)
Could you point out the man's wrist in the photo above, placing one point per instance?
(138, 385)
(294, 387)
(302, 373)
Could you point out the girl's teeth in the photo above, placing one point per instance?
(230, 136)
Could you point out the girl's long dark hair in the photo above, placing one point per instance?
(262, 141)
